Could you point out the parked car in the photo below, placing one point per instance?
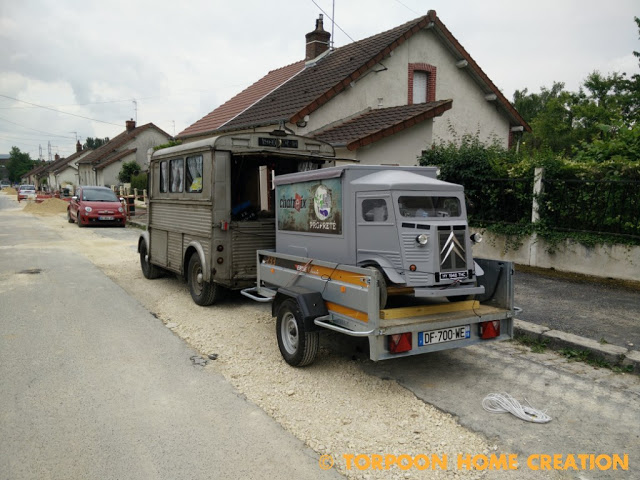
(4, 185)
(24, 191)
(96, 206)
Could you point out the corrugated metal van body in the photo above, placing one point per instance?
(176, 224)
(247, 237)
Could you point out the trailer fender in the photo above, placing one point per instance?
(311, 305)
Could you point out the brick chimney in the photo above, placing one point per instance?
(56, 157)
(78, 146)
(131, 125)
(317, 41)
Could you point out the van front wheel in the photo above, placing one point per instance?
(203, 293)
(297, 346)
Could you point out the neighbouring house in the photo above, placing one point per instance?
(35, 175)
(381, 100)
(102, 165)
(64, 172)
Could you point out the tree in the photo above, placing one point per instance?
(19, 164)
(93, 143)
(128, 170)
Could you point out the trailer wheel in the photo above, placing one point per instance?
(203, 293)
(148, 270)
(297, 346)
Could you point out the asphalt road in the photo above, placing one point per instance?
(92, 386)
(595, 310)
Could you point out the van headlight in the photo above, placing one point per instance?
(422, 239)
(121, 210)
(88, 209)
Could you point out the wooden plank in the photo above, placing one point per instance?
(420, 310)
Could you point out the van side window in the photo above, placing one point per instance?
(164, 177)
(176, 175)
(374, 210)
(194, 174)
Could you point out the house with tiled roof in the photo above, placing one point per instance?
(64, 171)
(380, 100)
(102, 165)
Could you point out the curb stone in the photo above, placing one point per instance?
(558, 340)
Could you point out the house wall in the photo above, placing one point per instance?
(86, 175)
(68, 176)
(144, 141)
(108, 175)
(470, 113)
(403, 148)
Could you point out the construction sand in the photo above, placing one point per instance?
(50, 206)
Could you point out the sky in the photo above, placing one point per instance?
(71, 69)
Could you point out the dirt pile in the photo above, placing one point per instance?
(9, 191)
(50, 206)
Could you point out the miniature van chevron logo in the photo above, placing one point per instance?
(452, 245)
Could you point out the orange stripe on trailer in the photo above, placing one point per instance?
(337, 275)
(348, 312)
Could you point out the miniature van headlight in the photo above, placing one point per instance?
(476, 238)
(422, 239)
(88, 209)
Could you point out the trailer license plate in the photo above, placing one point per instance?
(444, 335)
(106, 218)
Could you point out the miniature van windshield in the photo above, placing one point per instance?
(429, 207)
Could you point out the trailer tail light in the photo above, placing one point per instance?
(224, 226)
(489, 329)
(400, 343)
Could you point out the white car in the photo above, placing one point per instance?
(26, 191)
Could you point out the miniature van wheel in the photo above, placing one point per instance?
(297, 346)
(383, 286)
(203, 293)
(148, 270)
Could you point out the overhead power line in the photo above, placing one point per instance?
(35, 130)
(60, 111)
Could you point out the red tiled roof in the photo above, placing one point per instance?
(318, 83)
(378, 124)
(105, 150)
(114, 158)
(230, 109)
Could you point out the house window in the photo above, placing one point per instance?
(422, 83)
(420, 87)
(176, 175)
(194, 174)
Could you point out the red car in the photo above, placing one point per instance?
(96, 206)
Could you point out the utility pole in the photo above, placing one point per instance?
(333, 22)
(135, 109)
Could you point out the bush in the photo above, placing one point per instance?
(128, 170)
(139, 181)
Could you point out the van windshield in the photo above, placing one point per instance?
(429, 207)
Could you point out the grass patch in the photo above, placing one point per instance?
(535, 344)
(594, 360)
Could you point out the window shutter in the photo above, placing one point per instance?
(419, 87)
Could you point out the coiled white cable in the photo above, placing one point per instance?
(503, 403)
